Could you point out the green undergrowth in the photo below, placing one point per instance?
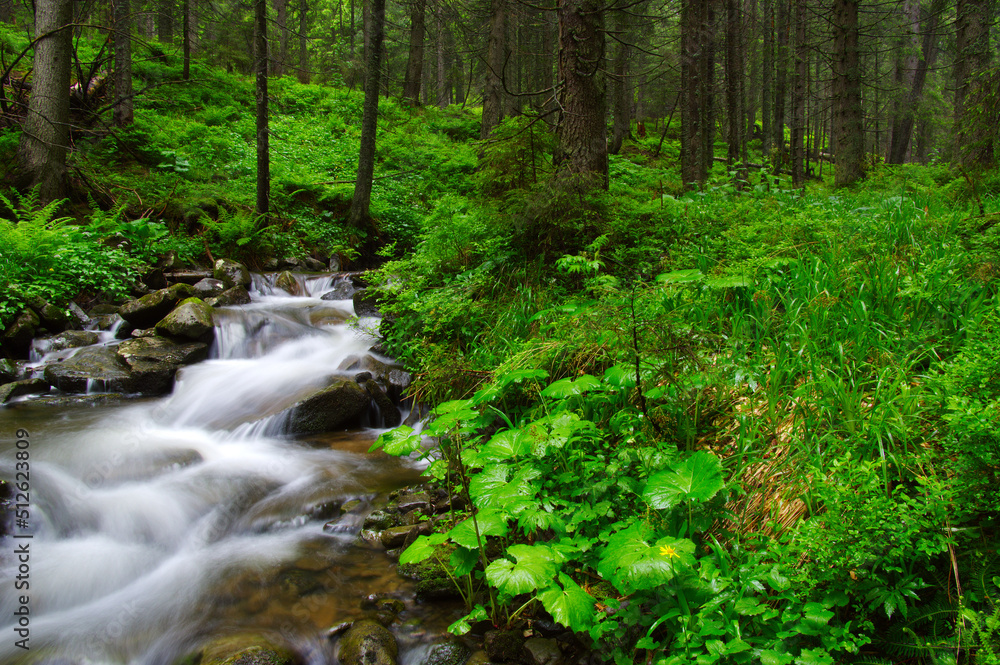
(715, 426)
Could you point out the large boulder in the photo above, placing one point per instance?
(8, 370)
(18, 335)
(338, 406)
(237, 295)
(245, 650)
(147, 310)
(368, 643)
(25, 387)
(231, 273)
(342, 289)
(91, 367)
(286, 282)
(154, 361)
(387, 409)
(365, 303)
(72, 339)
(53, 318)
(191, 319)
(208, 288)
(452, 652)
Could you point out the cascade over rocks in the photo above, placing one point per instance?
(340, 405)
(72, 339)
(91, 364)
(238, 295)
(18, 335)
(154, 361)
(287, 283)
(208, 288)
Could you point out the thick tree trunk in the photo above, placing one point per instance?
(621, 88)
(359, 216)
(122, 114)
(495, 50)
(766, 79)
(45, 137)
(974, 141)
(847, 133)
(263, 148)
(165, 21)
(707, 64)
(442, 70)
(281, 22)
(582, 141)
(186, 13)
(303, 73)
(415, 59)
(780, 86)
(734, 87)
(902, 129)
(798, 124)
(691, 88)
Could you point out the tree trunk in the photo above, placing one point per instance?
(780, 86)
(415, 59)
(974, 141)
(734, 87)
(902, 129)
(281, 22)
(798, 124)
(303, 72)
(621, 89)
(6, 11)
(847, 132)
(442, 74)
(493, 89)
(707, 78)
(186, 12)
(45, 137)
(766, 78)
(122, 114)
(359, 216)
(691, 100)
(263, 152)
(581, 136)
(165, 21)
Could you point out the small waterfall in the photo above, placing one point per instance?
(161, 523)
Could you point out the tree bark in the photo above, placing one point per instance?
(798, 124)
(581, 135)
(691, 100)
(303, 72)
(707, 79)
(45, 138)
(902, 130)
(165, 21)
(780, 86)
(495, 50)
(359, 216)
(621, 88)
(847, 132)
(415, 59)
(735, 101)
(281, 22)
(6, 11)
(974, 141)
(186, 13)
(122, 113)
(766, 78)
(263, 148)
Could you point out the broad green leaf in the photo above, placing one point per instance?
(422, 548)
(631, 563)
(400, 441)
(507, 445)
(772, 657)
(749, 607)
(464, 625)
(776, 580)
(490, 488)
(463, 561)
(620, 376)
(571, 606)
(568, 387)
(450, 415)
(521, 375)
(727, 282)
(814, 657)
(679, 276)
(532, 570)
(491, 523)
(698, 478)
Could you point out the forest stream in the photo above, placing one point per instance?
(161, 524)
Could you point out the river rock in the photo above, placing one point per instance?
(365, 303)
(390, 414)
(8, 371)
(286, 282)
(245, 650)
(72, 339)
(379, 520)
(237, 295)
(26, 387)
(53, 318)
(368, 643)
(397, 536)
(147, 310)
(154, 279)
(342, 290)
(18, 335)
(542, 651)
(192, 319)
(187, 276)
(504, 646)
(77, 317)
(433, 580)
(154, 361)
(103, 309)
(340, 405)
(97, 364)
(452, 652)
(208, 288)
(314, 265)
(334, 265)
(231, 273)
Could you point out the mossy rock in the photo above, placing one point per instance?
(191, 319)
(432, 578)
(448, 653)
(368, 643)
(246, 649)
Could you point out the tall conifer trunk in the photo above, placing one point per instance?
(847, 132)
(123, 115)
(359, 216)
(263, 147)
(415, 59)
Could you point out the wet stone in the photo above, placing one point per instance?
(542, 651)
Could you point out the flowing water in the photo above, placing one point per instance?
(160, 524)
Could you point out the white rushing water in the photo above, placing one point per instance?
(160, 523)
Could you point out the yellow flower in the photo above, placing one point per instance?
(669, 552)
